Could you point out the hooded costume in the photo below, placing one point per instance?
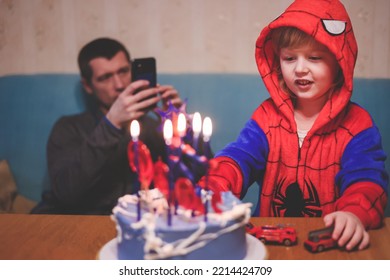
(340, 165)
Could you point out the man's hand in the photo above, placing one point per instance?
(169, 93)
(129, 106)
(348, 230)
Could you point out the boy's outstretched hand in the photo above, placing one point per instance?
(348, 230)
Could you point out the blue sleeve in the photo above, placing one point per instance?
(250, 152)
(363, 160)
(107, 121)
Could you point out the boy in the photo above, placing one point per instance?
(312, 151)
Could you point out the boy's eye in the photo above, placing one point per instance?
(288, 58)
(314, 57)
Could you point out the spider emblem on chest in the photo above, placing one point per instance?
(290, 201)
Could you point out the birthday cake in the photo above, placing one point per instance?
(220, 236)
(171, 216)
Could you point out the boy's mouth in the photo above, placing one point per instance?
(303, 82)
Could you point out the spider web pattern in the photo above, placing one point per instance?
(313, 167)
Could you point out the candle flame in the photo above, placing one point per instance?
(134, 130)
(197, 124)
(207, 129)
(181, 124)
(168, 132)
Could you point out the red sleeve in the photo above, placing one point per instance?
(226, 176)
(367, 201)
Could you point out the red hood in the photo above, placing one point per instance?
(328, 22)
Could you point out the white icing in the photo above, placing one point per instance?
(118, 209)
(132, 199)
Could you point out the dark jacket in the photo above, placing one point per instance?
(88, 165)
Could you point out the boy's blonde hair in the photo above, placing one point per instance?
(291, 37)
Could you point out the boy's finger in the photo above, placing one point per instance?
(365, 241)
(355, 240)
(329, 219)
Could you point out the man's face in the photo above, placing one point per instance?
(109, 79)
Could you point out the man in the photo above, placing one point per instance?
(87, 153)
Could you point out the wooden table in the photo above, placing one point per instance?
(59, 237)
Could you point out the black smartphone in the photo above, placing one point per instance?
(145, 69)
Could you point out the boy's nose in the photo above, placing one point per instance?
(301, 66)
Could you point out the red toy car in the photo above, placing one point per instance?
(320, 240)
(280, 234)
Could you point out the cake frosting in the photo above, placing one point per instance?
(171, 216)
(208, 236)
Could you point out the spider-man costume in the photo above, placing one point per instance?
(340, 165)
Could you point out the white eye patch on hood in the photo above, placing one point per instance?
(334, 27)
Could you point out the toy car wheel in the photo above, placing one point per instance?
(287, 242)
(262, 240)
(320, 248)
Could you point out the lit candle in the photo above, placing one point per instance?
(207, 131)
(181, 125)
(196, 128)
(168, 132)
(168, 135)
(134, 132)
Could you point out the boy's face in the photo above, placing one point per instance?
(109, 78)
(309, 71)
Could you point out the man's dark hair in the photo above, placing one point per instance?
(101, 47)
